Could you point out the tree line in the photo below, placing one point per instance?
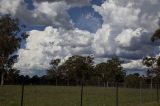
(75, 70)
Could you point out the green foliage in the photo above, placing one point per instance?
(9, 40)
(79, 67)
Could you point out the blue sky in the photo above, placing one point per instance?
(77, 15)
(97, 2)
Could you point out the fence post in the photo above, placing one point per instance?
(82, 83)
(22, 95)
(140, 92)
(157, 93)
(117, 86)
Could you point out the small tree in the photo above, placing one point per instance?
(53, 71)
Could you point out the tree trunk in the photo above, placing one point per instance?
(2, 79)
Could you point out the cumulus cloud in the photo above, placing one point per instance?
(130, 44)
(45, 12)
(126, 31)
(127, 28)
(134, 64)
(42, 46)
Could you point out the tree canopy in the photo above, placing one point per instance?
(77, 68)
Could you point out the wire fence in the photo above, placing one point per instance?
(101, 94)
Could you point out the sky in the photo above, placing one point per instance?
(103, 28)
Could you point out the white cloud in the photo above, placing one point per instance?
(128, 37)
(134, 64)
(103, 43)
(128, 32)
(42, 46)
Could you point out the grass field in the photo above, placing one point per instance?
(70, 96)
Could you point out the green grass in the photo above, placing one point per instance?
(70, 96)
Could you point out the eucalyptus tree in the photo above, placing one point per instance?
(10, 41)
(79, 68)
(102, 73)
(110, 71)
